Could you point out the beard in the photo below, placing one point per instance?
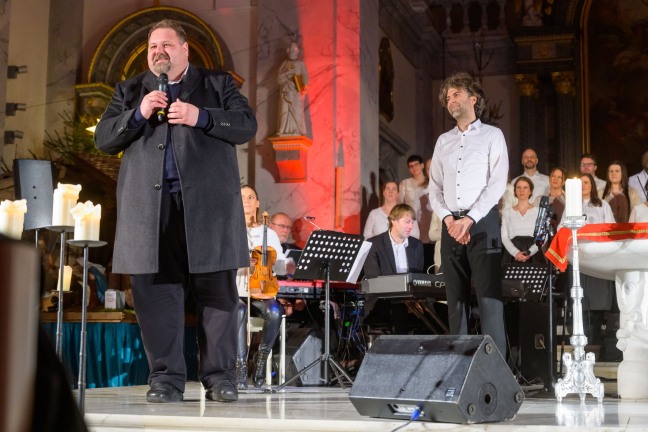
(159, 68)
(529, 165)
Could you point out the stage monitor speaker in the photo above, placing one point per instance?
(34, 182)
(303, 347)
(452, 379)
(527, 326)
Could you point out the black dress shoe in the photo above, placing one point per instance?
(163, 393)
(222, 391)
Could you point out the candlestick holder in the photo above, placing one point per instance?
(580, 370)
(62, 230)
(86, 245)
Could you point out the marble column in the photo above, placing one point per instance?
(530, 120)
(63, 59)
(568, 148)
(4, 48)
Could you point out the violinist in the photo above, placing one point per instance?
(268, 308)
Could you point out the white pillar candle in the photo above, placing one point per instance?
(86, 221)
(65, 197)
(12, 218)
(67, 278)
(573, 197)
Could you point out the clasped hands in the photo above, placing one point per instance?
(179, 112)
(459, 229)
(522, 257)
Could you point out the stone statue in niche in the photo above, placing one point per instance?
(532, 13)
(293, 85)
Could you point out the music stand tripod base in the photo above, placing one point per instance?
(328, 255)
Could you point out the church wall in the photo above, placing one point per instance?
(28, 39)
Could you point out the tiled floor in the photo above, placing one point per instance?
(329, 409)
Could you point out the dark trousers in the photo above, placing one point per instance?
(479, 261)
(271, 312)
(160, 307)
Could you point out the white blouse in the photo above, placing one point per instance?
(639, 213)
(595, 215)
(514, 224)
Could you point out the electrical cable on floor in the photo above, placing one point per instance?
(415, 415)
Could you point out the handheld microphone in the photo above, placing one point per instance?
(310, 220)
(163, 86)
(543, 213)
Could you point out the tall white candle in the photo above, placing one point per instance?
(12, 218)
(86, 221)
(573, 197)
(67, 278)
(65, 197)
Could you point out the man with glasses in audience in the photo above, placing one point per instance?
(588, 166)
(282, 224)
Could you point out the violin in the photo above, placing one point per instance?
(263, 283)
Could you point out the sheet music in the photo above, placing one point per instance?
(359, 262)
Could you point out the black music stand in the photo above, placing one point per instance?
(328, 255)
(533, 277)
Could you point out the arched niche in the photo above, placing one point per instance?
(121, 53)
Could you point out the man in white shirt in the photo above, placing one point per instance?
(639, 181)
(468, 177)
(588, 166)
(540, 181)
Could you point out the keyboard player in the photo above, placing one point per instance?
(393, 252)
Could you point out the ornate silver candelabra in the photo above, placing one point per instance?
(580, 370)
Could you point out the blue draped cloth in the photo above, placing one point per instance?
(115, 354)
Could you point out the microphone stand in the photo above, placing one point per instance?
(548, 233)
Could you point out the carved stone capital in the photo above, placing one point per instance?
(528, 84)
(564, 83)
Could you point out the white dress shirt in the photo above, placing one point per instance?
(400, 255)
(468, 171)
(638, 182)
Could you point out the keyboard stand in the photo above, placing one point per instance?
(422, 310)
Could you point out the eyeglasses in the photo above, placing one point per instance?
(586, 164)
(281, 226)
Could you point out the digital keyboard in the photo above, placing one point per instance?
(406, 285)
(422, 285)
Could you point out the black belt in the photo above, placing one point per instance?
(460, 214)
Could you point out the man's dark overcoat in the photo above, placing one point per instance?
(207, 165)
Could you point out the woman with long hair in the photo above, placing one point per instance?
(378, 219)
(557, 177)
(596, 210)
(518, 224)
(269, 309)
(621, 198)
